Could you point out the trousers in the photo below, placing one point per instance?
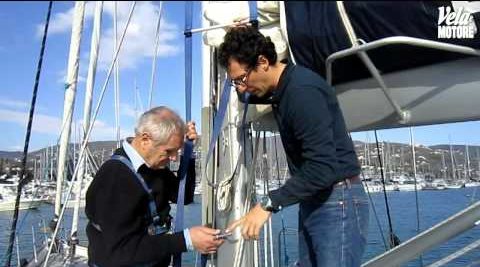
(334, 232)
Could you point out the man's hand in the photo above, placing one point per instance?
(204, 239)
(251, 223)
(191, 133)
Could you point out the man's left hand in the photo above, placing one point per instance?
(191, 133)
(251, 223)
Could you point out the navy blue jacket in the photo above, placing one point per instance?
(319, 150)
(118, 203)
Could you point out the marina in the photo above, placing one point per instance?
(435, 206)
(424, 204)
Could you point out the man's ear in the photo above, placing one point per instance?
(263, 62)
(145, 139)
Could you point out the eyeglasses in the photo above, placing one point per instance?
(242, 80)
(172, 152)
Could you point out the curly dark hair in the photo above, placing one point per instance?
(245, 44)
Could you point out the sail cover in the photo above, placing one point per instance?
(315, 31)
(423, 85)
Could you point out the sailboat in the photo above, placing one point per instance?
(57, 251)
(383, 79)
(441, 88)
(469, 182)
(8, 195)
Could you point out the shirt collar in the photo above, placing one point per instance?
(282, 82)
(135, 158)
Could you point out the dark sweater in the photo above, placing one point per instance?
(318, 148)
(118, 203)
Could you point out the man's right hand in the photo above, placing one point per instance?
(204, 239)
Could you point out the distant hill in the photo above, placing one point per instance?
(472, 150)
(11, 155)
(432, 159)
(106, 146)
(396, 156)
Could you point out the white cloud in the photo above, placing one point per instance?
(15, 148)
(62, 77)
(139, 40)
(19, 105)
(41, 123)
(62, 22)
(15, 104)
(46, 124)
(101, 131)
(129, 111)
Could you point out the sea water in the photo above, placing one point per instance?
(434, 206)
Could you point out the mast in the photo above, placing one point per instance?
(369, 160)
(87, 110)
(35, 171)
(402, 160)
(84, 145)
(52, 150)
(71, 87)
(444, 167)
(155, 51)
(46, 164)
(467, 164)
(116, 78)
(454, 171)
(135, 90)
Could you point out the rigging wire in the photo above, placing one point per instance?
(267, 227)
(394, 240)
(286, 259)
(155, 51)
(248, 199)
(472, 198)
(27, 138)
(416, 191)
(116, 81)
(372, 204)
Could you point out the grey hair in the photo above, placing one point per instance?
(161, 123)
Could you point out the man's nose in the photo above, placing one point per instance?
(173, 157)
(241, 88)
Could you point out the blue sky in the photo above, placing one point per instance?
(19, 50)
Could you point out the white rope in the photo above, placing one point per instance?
(248, 199)
(264, 177)
(256, 251)
(224, 194)
(224, 188)
(265, 244)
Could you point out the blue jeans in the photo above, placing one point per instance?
(334, 232)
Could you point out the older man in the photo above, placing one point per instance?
(127, 203)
